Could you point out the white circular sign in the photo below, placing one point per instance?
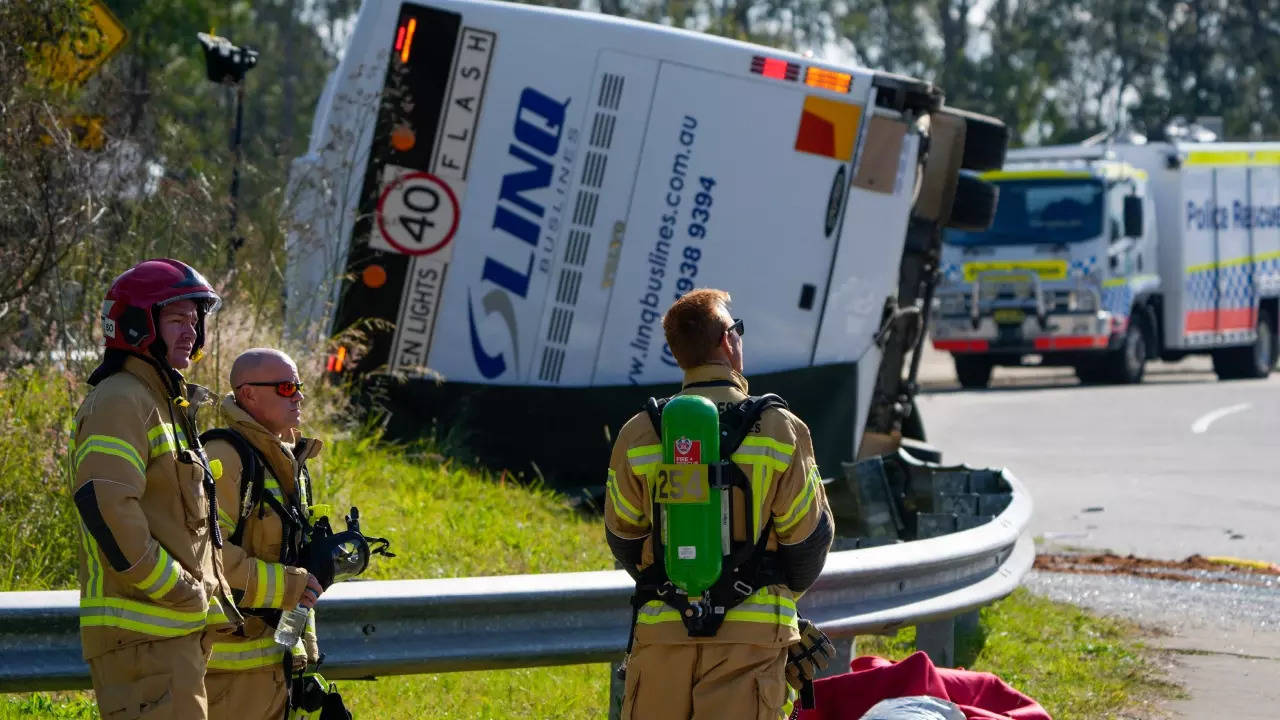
(418, 213)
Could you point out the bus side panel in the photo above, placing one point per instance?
(1237, 298)
(1199, 275)
(865, 269)
(724, 199)
(594, 220)
(514, 211)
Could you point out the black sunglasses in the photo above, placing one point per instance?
(737, 327)
(284, 388)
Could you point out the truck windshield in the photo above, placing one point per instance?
(1041, 211)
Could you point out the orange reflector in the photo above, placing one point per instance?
(828, 79)
(336, 361)
(403, 139)
(374, 276)
(408, 40)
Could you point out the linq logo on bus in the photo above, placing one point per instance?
(517, 223)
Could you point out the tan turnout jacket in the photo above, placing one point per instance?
(777, 457)
(253, 566)
(148, 569)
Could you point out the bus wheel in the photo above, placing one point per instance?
(973, 371)
(1126, 365)
(1252, 361)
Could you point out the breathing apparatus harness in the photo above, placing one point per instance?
(747, 566)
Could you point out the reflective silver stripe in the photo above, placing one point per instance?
(771, 608)
(759, 450)
(125, 617)
(270, 594)
(220, 654)
(642, 460)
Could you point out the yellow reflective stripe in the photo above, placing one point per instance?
(764, 607)
(161, 438)
(90, 545)
(249, 655)
(271, 485)
(260, 587)
(215, 468)
(108, 445)
(800, 506)
(215, 615)
(644, 457)
(763, 441)
(138, 617)
(764, 450)
(628, 511)
(275, 598)
(162, 578)
(225, 521)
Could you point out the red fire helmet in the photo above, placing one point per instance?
(136, 296)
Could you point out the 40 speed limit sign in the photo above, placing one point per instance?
(417, 212)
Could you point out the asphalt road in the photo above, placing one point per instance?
(1180, 464)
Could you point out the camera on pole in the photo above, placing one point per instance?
(225, 62)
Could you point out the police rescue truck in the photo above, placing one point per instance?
(1104, 257)
(500, 201)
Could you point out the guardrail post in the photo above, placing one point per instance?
(938, 639)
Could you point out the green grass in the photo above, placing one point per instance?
(1076, 665)
(448, 519)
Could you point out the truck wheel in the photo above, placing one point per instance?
(1126, 365)
(973, 371)
(1253, 361)
(1091, 373)
(975, 204)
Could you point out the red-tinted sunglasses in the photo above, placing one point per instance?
(284, 388)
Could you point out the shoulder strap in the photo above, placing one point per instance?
(737, 420)
(251, 480)
(653, 406)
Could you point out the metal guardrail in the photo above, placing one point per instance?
(402, 627)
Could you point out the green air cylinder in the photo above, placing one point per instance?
(692, 512)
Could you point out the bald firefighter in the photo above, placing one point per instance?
(264, 494)
(725, 656)
(151, 586)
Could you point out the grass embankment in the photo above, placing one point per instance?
(448, 519)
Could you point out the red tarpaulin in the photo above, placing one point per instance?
(981, 696)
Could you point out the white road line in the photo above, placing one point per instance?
(1203, 422)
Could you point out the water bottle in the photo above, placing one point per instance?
(292, 623)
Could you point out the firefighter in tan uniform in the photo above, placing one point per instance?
(264, 492)
(151, 586)
(739, 672)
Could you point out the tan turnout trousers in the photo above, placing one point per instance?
(254, 695)
(706, 681)
(158, 680)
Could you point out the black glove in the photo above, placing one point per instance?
(813, 652)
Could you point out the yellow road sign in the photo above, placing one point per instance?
(77, 58)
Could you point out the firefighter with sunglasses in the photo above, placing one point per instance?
(151, 584)
(264, 496)
(734, 652)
